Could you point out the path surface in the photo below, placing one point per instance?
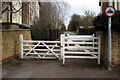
(74, 68)
(68, 32)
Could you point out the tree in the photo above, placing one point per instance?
(52, 15)
(74, 22)
(85, 20)
(88, 18)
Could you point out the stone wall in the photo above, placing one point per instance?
(119, 47)
(0, 46)
(115, 46)
(104, 45)
(10, 42)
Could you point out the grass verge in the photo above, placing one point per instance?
(77, 33)
(8, 62)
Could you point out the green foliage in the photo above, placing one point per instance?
(116, 20)
(101, 21)
(51, 17)
(63, 28)
(8, 62)
(78, 20)
(74, 23)
(62, 32)
(39, 31)
(77, 33)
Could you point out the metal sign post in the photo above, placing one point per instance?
(109, 44)
(109, 11)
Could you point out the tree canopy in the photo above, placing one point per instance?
(74, 23)
(52, 15)
(85, 20)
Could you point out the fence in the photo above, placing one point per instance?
(80, 46)
(53, 34)
(86, 31)
(45, 34)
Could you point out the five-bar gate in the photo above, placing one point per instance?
(80, 46)
(39, 49)
(70, 46)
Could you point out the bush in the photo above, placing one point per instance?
(101, 21)
(39, 32)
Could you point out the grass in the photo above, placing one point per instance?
(62, 32)
(8, 62)
(76, 32)
(11, 61)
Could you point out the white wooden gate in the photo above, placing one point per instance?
(70, 46)
(39, 49)
(80, 46)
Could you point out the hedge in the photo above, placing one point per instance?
(101, 21)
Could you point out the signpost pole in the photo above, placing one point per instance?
(109, 44)
(109, 39)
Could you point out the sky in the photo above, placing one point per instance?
(79, 6)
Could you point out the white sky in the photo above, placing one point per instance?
(79, 6)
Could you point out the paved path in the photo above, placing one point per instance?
(74, 68)
(68, 32)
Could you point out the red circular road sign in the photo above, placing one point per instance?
(110, 11)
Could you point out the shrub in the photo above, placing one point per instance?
(101, 21)
(39, 32)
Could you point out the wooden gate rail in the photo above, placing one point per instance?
(70, 46)
(75, 46)
(39, 49)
